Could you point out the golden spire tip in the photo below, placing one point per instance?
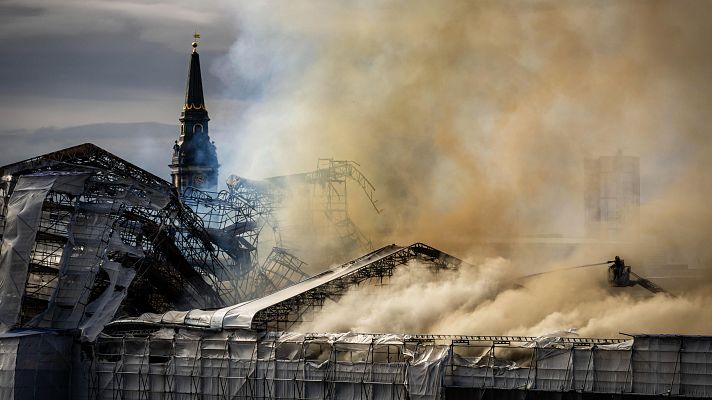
(196, 36)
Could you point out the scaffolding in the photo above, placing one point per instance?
(279, 270)
(329, 187)
(286, 308)
(167, 364)
(235, 219)
(326, 214)
(87, 236)
(233, 228)
(160, 362)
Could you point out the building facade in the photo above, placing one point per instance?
(195, 161)
(612, 196)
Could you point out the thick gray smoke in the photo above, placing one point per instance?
(473, 118)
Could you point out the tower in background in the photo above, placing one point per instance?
(195, 161)
(612, 196)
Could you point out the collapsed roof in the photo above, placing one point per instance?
(285, 308)
(87, 236)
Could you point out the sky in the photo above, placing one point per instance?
(70, 64)
(472, 118)
(116, 61)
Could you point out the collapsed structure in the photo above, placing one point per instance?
(87, 236)
(117, 284)
(242, 352)
(114, 286)
(84, 230)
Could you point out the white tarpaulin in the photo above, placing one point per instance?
(24, 210)
(194, 364)
(426, 372)
(38, 364)
(8, 357)
(23, 217)
(91, 233)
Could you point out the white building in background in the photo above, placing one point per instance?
(612, 196)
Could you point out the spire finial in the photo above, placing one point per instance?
(196, 36)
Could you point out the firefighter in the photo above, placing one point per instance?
(618, 265)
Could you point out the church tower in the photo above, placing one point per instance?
(195, 161)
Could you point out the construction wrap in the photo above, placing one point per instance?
(8, 357)
(91, 236)
(41, 365)
(24, 210)
(240, 364)
(426, 372)
(69, 250)
(90, 282)
(247, 364)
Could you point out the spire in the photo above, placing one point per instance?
(195, 159)
(194, 89)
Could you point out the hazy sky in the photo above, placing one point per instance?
(69, 63)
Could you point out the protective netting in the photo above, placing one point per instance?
(24, 213)
(244, 364)
(81, 246)
(192, 364)
(62, 238)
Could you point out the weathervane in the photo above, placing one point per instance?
(196, 36)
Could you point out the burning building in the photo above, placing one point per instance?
(115, 283)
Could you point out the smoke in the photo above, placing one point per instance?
(488, 300)
(473, 119)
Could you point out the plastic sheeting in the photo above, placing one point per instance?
(93, 237)
(191, 364)
(696, 367)
(247, 364)
(81, 261)
(23, 217)
(8, 357)
(672, 365)
(426, 372)
(41, 365)
(101, 311)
